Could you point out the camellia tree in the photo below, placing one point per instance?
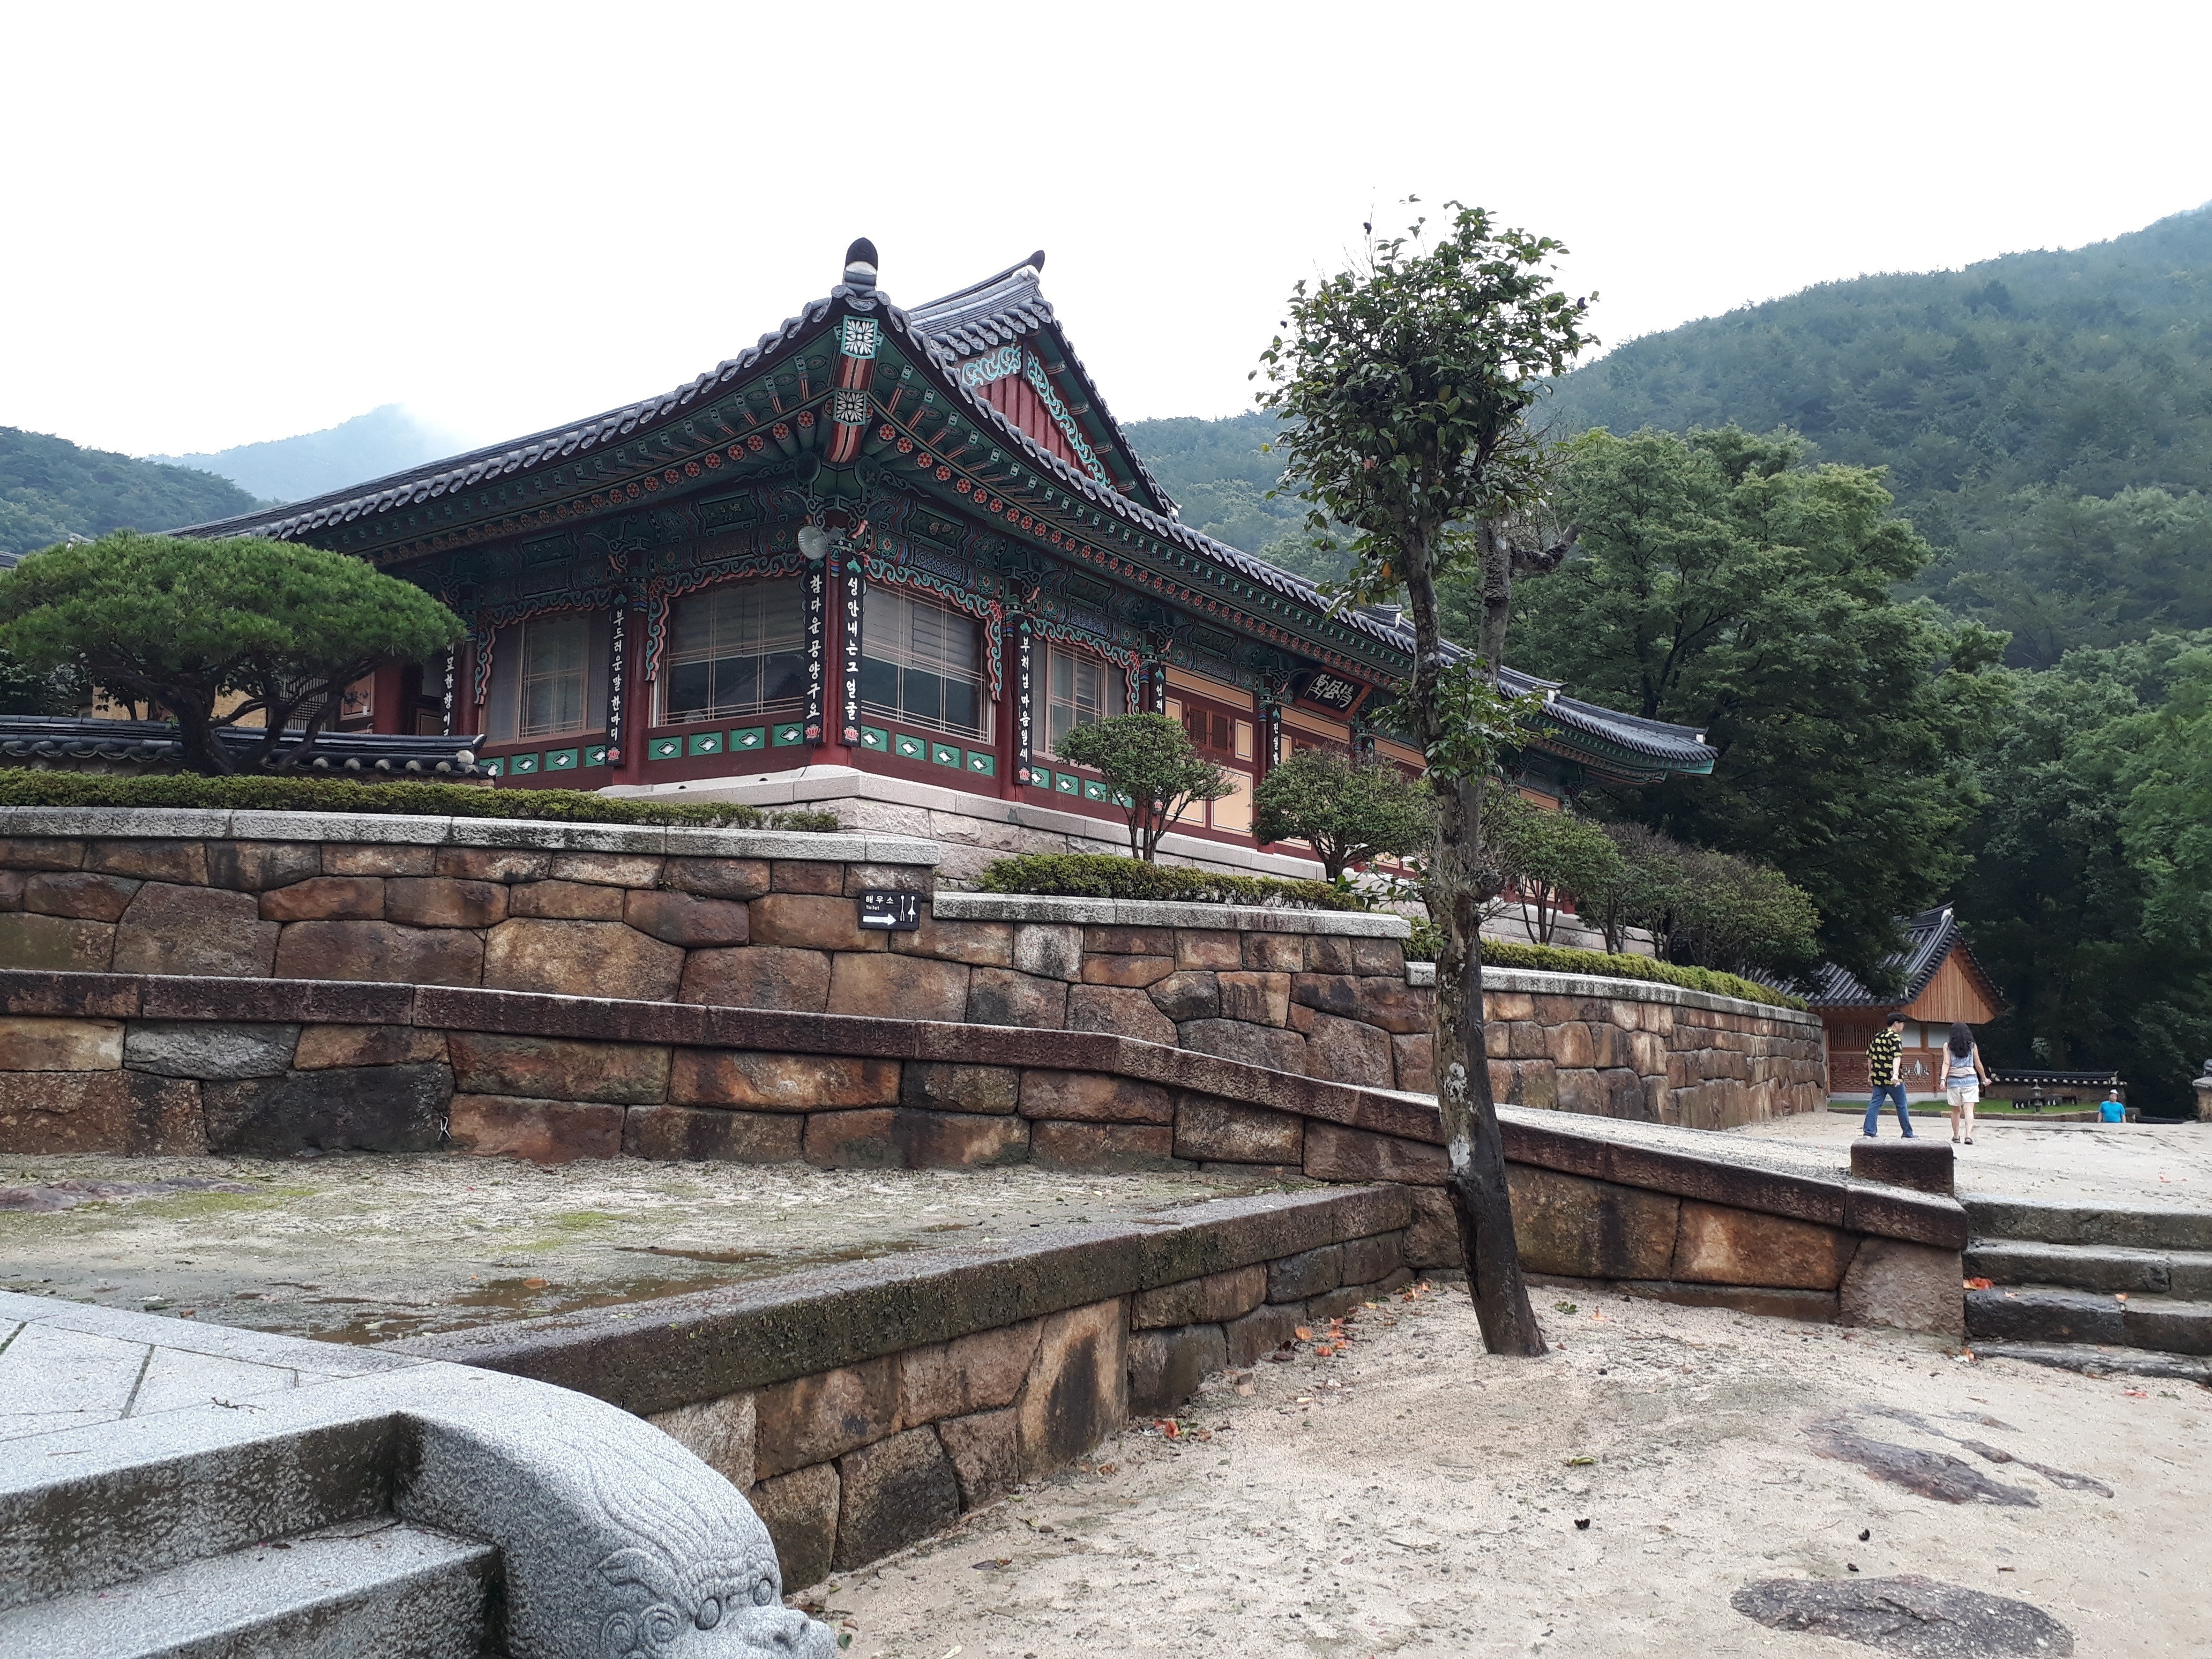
(1347, 810)
(1149, 765)
(188, 626)
(1552, 861)
(1403, 387)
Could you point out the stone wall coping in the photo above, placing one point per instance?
(191, 823)
(1154, 912)
(1688, 1163)
(1423, 975)
(653, 1357)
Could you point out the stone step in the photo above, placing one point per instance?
(2107, 1268)
(377, 1590)
(2165, 1323)
(2143, 1228)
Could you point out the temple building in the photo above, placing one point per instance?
(1941, 982)
(883, 562)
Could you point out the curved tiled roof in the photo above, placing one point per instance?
(1929, 939)
(996, 311)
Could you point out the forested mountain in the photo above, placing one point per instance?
(2045, 420)
(384, 440)
(50, 490)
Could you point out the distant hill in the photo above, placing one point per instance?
(383, 441)
(2045, 419)
(50, 489)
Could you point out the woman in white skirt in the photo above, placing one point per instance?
(1963, 1078)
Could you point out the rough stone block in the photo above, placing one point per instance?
(58, 943)
(894, 987)
(322, 1047)
(444, 902)
(558, 1068)
(378, 1109)
(379, 951)
(718, 1432)
(1580, 1090)
(810, 922)
(1232, 1132)
(1130, 972)
(1413, 1063)
(183, 862)
(1327, 994)
(816, 876)
(79, 895)
(1379, 957)
(541, 1131)
(682, 919)
(256, 866)
(890, 1138)
(1129, 941)
(372, 858)
(1385, 1000)
(1214, 1300)
(115, 1112)
(1001, 996)
(1077, 1390)
(799, 1511)
(1187, 996)
(11, 888)
(1907, 1287)
(1093, 1097)
(1590, 1229)
(1924, 1163)
(1336, 1153)
(1433, 1239)
(580, 959)
(1720, 1245)
(1368, 1261)
(1049, 949)
(609, 869)
(981, 1371)
(1257, 999)
(890, 877)
(1166, 1366)
(194, 930)
(1345, 1051)
(1101, 1146)
(501, 864)
(986, 1453)
(1274, 953)
(1570, 1043)
(781, 1082)
(824, 1415)
(1261, 1332)
(957, 1088)
(1119, 1013)
(1336, 1303)
(893, 1494)
(979, 944)
(197, 1048)
(28, 1043)
(1294, 1278)
(41, 852)
(721, 878)
(1208, 948)
(708, 1134)
(758, 977)
(326, 898)
(1329, 953)
(1254, 1045)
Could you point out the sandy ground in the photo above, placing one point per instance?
(2133, 1163)
(375, 1248)
(1411, 1496)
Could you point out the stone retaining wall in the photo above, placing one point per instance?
(861, 1408)
(770, 921)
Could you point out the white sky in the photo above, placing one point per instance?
(231, 222)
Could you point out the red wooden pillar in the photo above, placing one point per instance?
(637, 700)
(387, 692)
(838, 575)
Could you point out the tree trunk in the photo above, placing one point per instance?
(1480, 1201)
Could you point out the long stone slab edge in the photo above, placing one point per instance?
(1156, 912)
(186, 823)
(1540, 982)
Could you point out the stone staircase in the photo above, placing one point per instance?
(2092, 1288)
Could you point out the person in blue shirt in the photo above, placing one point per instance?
(2112, 1109)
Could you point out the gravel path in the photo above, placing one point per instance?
(1411, 1496)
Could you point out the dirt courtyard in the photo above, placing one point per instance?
(1409, 1496)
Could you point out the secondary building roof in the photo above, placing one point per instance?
(1931, 938)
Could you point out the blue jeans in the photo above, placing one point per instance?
(1896, 1092)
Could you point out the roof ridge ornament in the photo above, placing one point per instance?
(860, 263)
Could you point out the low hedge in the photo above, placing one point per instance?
(1557, 959)
(27, 786)
(1108, 876)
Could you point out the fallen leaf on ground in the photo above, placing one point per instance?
(1580, 1462)
(1978, 1285)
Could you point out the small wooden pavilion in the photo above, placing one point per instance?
(1942, 982)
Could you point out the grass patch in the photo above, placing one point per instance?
(25, 787)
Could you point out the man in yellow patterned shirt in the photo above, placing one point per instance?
(1881, 1072)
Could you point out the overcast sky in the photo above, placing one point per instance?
(228, 222)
